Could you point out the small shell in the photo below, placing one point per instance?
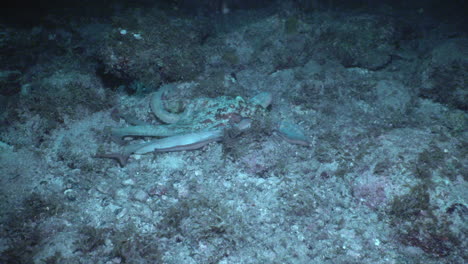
(292, 133)
(262, 99)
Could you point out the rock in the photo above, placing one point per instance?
(392, 97)
(444, 74)
(140, 196)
